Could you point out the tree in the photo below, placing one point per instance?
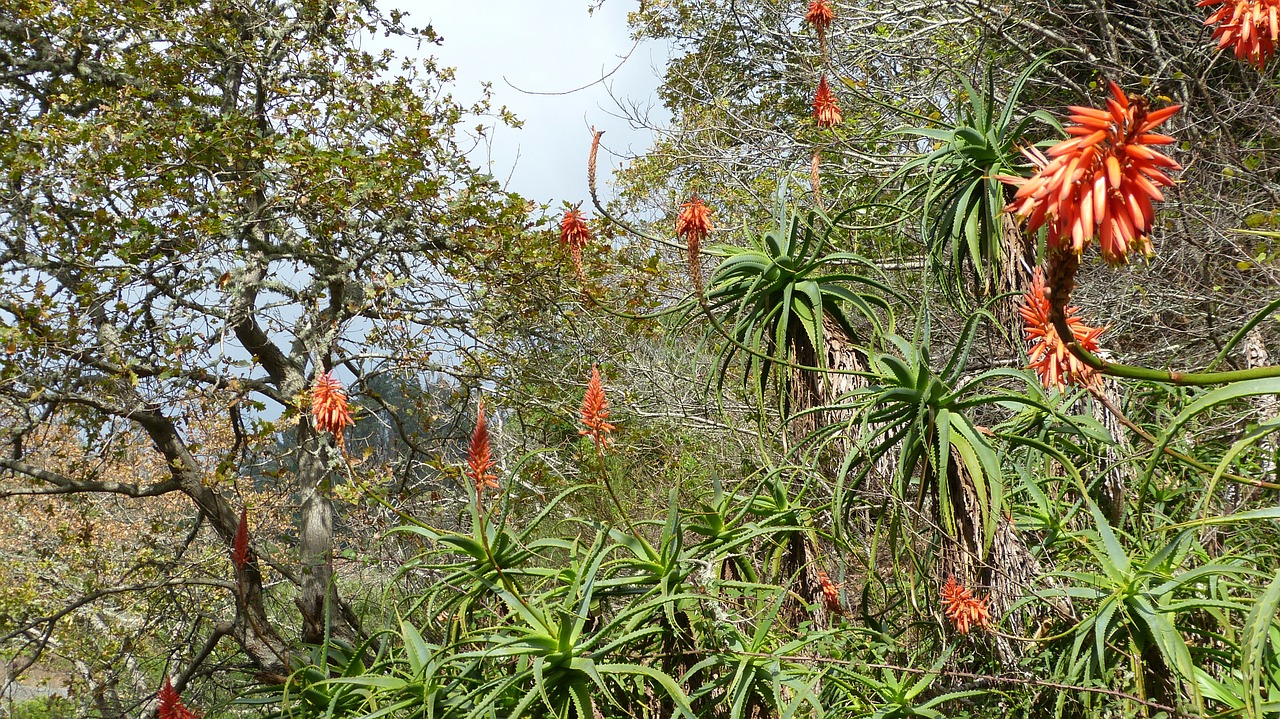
(213, 203)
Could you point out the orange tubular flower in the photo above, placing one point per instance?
(595, 411)
(694, 224)
(1251, 28)
(1102, 181)
(1049, 356)
(830, 593)
(962, 608)
(480, 457)
(820, 15)
(329, 406)
(825, 108)
(575, 235)
(240, 547)
(170, 706)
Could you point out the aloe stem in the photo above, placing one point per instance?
(1190, 379)
(604, 476)
(488, 552)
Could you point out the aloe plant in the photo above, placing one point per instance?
(900, 695)
(957, 190)
(788, 305)
(1136, 601)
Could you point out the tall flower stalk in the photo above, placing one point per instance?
(820, 15)
(479, 463)
(594, 416)
(480, 458)
(826, 110)
(694, 225)
(240, 546)
(574, 236)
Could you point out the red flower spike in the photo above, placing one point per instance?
(826, 111)
(595, 411)
(963, 608)
(1102, 182)
(575, 235)
(694, 224)
(830, 593)
(329, 406)
(170, 705)
(1250, 28)
(1049, 356)
(480, 457)
(820, 16)
(240, 547)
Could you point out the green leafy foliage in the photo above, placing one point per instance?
(779, 292)
(895, 537)
(957, 187)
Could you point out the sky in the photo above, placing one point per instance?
(524, 47)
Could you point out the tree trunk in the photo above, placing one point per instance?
(805, 392)
(808, 390)
(1266, 406)
(252, 627)
(961, 554)
(318, 595)
(1017, 261)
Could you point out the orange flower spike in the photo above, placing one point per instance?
(1101, 181)
(595, 410)
(1048, 355)
(1250, 28)
(820, 16)
(830, 593)
(573, 230)
(329, 406)
(963, 608)
(480, 456)
(825, 108)
(694, 224)
(575, 235)
(170, 706)
(694, 221)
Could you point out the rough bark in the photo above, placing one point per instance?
(318, 595)
(1266, 408)
(806, 392)
(1017, 263)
